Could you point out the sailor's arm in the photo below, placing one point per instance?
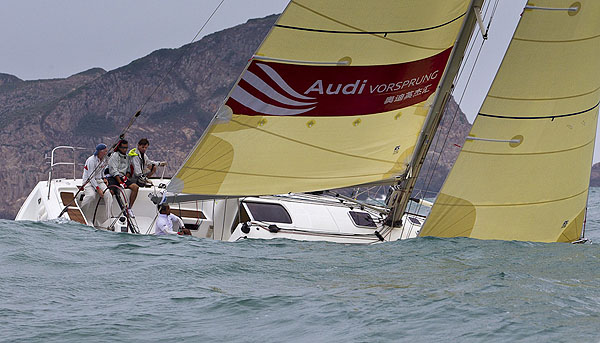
(150, 163)
(91, 172)
(113, 169)
(113, 166)
(176, 220)
(163, 226)
(166, 229)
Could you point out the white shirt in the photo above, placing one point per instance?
(164, 224)
(91, 165)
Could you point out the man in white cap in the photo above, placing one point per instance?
(95, 187)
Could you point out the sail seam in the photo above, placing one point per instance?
(544, 99)
(556, 41)
(207, 174)
(529, 153)
(459, 234)
(539, 117)
(200, 158)
(516, 204)
(450, 225)
(362, 32)
(312, 145)
(284, 176)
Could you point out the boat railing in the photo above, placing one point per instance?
(54, 163)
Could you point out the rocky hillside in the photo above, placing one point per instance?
(444, 150)
(93, 106)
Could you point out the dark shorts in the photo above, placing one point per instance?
(143, 184)
(113, 182)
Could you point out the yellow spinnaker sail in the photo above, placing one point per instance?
(524, 172)
(335, 96)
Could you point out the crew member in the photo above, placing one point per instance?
(142, 167)
(118, 167)
(95, 187)
(169, 224)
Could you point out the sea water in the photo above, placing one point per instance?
(64, 282)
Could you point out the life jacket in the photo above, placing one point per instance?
(132, 154)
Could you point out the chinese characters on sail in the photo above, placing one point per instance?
(286, 89)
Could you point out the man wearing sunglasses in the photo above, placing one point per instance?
(118, 166)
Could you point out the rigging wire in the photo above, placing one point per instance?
(186, 48)
(152, 224)
(139, 111)
(454, 115)
(434, 166)
(431, 165)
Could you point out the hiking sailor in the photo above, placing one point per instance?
(142, 167)
(169, 224)
(118, 167)
(94, 188)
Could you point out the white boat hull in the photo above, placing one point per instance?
(306, 217)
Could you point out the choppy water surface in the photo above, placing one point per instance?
(62, 282)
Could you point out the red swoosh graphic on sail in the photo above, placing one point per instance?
(282, 89)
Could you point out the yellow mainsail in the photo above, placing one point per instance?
(335, 96)
(523, 172)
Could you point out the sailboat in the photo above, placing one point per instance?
(350, 94)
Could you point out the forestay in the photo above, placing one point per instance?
(335, 96)
(523, 173)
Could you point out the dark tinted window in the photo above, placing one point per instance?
(274, 213)
(414, 220)
(240, 217)
(362, 219)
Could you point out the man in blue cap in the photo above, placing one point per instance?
(95, 188)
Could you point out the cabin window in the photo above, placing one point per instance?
(414, 220)
(265, 212)
(362, 219)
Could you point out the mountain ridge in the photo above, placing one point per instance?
(94, 105)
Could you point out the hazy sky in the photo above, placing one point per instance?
(45, 39)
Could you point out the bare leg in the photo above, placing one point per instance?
(152, 171)
(134, 191)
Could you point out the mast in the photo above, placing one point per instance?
(400, 197)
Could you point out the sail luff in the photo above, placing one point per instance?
(175, 187)
(399, 198)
